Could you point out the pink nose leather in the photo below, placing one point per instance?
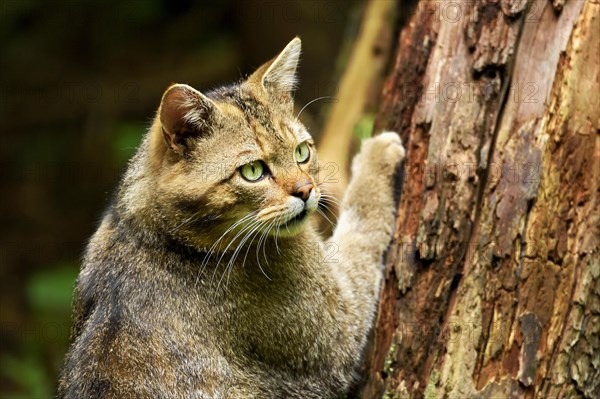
(302, 190)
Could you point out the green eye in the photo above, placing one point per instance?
(252, 171)
(302, 153)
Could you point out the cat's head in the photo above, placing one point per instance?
(236, 157)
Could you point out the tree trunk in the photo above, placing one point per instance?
(492, 285)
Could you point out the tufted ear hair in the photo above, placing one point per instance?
(281, 73)
(185, 114)
(278, 76)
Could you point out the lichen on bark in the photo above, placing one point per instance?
(493, 278)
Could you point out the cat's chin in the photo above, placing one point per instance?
(292, 227)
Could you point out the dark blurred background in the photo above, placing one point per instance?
(80, 82)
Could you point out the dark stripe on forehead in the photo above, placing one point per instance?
(259, 112)
(255, 112)
(223, 93)
(287, 130)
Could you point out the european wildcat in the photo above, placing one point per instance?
(166, 309)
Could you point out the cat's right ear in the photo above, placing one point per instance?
(185, 114)
(281, 73)
(277, 78)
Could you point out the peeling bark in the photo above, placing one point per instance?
(492, 283)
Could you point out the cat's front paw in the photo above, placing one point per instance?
(379, 155)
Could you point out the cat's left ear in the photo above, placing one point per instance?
(278, 77)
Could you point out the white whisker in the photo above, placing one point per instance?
(310, 102)
(326, 206)
(248, 250)
(266, 231)
(325, 216)
(277, 233)
(330, 198)
(216, 243)
(213, 247)
(262, 237)
(184, 222)
(256, 224)
(245, 228)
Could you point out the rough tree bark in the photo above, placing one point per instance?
(492, 285)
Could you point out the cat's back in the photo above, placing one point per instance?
(132, 325)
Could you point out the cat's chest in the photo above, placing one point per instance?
(289, 322)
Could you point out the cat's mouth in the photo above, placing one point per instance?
(296, 219)
(293, 225)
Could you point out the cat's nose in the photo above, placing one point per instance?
(302, 190)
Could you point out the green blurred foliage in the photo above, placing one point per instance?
(27, 372)
(364, 127)
(127, 139)
(49, 291)
(49, 294)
